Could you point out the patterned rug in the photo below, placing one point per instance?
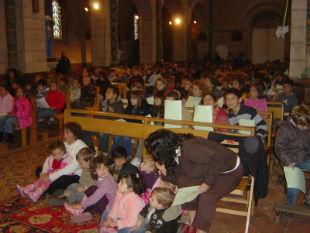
(18, 215)
(23, 216)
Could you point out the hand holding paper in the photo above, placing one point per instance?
(186, 194)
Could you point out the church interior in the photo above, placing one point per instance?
(155, 116)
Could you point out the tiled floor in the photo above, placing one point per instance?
(19, 167)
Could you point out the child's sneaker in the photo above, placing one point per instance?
(83, 217)
(73, 210)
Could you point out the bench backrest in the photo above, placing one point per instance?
(277, 109)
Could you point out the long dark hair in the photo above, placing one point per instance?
(162, 145)
(134, 181)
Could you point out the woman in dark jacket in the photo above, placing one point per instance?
(186, 161)
(292, 145)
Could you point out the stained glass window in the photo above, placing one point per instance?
(136, 26)
(57, 27)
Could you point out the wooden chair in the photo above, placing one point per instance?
(122, 87)
(243, 195)
(277, 110)
(96, 106)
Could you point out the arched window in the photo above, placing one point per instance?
(57, 27)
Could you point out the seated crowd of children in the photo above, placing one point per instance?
(148, 86)
(128, 198)
(234, 91)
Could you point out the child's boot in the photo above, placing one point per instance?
(24, 190)
(35, 195)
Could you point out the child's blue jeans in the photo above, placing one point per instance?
(7, 124)
(292, 193)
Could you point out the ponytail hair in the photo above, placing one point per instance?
(134, 181)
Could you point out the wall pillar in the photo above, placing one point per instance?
(3, 44)
(180, 40)
(148, 35)
(30, 35)
(298, 38)
(101, 35)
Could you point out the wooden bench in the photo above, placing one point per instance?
(103, 123)
(60, 116)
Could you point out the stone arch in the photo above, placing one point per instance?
(251, 14)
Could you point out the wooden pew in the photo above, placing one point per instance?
(60, 116)
(94, 121)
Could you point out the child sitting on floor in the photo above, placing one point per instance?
(76, 191)
(121, 165)
(124, 214)
(97, 198)
(147, 171)
(57, 160)
(157, 217)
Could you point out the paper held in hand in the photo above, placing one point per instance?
(185, 195)
(246, 123)
(295, 178)
(173, 111)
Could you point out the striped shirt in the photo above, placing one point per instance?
(249, 113)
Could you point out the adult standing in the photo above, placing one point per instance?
(186, 161)
(70, 174)
(63, 65)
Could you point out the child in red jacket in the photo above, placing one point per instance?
(56, 101)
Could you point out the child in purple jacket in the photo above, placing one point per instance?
(98, 197)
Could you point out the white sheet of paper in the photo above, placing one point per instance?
(203, 113)
(41, 103)
(150, 100)
(295, 178)
(173, 111)
(248, 123)
(185, 195)
(192, 101)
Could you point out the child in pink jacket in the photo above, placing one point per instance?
(123, 216)
(57, 160)
(21, 115)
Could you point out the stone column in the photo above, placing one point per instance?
(3, 45)
(114, 31)
(101, 34)
(147, 43)
(298, 38)
(179, 40)
(159, 31)
(30, 34)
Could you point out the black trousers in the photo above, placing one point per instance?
(61, 183)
